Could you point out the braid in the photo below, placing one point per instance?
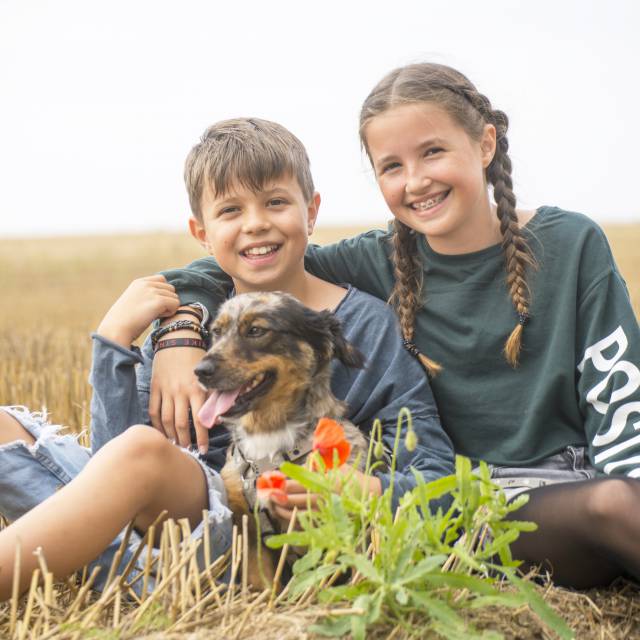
(407, 291)
(516, 250)
(451, 90)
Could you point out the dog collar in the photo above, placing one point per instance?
(250, 469)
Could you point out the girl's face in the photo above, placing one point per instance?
(432, 175)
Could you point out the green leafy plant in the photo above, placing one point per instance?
(444, 551)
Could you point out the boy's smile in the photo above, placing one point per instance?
(258, 237)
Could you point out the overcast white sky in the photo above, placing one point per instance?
(101, 101)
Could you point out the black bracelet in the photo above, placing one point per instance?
(190, 312)
(180, 342)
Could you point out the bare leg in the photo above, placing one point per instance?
(11, 430)
(134, 477)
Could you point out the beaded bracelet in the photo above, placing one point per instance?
(177, 326)
(180, 342)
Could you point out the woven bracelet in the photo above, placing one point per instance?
(180, 342)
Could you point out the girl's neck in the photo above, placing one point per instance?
(480, 230)
(484, 236)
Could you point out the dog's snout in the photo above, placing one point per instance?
(205, 369)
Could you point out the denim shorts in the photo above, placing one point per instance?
(31, 473)
(570, 465)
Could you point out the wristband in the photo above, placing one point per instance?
(177, 326)
(180, 342)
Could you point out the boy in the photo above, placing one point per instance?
(253, 207)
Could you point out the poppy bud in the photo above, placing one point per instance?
(378, 450)
(411, 440)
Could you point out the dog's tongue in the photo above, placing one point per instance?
(216, 405)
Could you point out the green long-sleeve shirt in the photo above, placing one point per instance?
(578, 382)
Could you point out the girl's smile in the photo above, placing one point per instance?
(429, 205)
(432, 175)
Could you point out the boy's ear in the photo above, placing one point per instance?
(488, 144)
(197, 230)
(312, 212)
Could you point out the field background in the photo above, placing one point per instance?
(56, 290)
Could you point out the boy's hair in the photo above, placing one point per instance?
(454, 93)
(246, 151)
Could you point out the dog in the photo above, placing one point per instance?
(268, 375)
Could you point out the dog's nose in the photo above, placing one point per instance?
(205, 369)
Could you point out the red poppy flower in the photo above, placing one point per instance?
(329, 437)
(270, 484)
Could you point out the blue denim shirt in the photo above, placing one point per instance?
(390, 380)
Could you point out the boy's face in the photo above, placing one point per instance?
(258, 238)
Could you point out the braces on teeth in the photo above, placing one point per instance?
(432, 202)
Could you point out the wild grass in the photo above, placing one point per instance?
(56, 290)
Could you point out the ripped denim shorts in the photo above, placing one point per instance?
(31, 473)
(569, 465)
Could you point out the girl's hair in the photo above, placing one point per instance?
(454, 93)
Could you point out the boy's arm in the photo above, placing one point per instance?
(174, 386)
(114, 404)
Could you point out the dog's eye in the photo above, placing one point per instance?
(256, 332)
(216, 332)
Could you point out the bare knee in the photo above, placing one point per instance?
(612, 500)
(11, 430)
(140, 449)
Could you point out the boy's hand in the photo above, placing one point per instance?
(297, 496)
(144, 300)
(175, 389)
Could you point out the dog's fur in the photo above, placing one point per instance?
(274, 354)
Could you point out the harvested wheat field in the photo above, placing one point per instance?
(56, 291)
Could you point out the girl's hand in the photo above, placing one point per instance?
(297, 495)
(144, 300)
(175, 389)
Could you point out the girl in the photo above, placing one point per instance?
(521, 317)
(254, 206)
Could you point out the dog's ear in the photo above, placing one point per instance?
(343, 350)
(323, 330)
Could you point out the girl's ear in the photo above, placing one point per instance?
(488, 144)
(197, 230)
(312, 212)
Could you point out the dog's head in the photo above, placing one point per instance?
(267, 350)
